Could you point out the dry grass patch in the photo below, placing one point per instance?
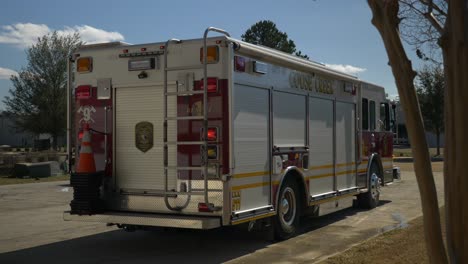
(405, 245)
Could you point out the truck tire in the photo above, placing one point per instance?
(371, 198)
(286, 222)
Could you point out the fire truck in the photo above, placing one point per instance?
(211, 132)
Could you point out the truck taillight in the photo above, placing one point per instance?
(212, 152)
(203, 207)
(212, 134)
(83, 92)
(84, 64)
(212, 54)
(212, 84)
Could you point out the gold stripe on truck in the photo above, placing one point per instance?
(250, 174)
(328, 166)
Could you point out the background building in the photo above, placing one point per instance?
(402, 135)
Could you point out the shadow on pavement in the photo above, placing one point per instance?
(161, 246)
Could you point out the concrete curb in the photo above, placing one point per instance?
(410, 159)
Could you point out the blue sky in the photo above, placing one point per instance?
(336, 32)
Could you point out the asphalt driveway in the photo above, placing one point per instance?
(32, 230)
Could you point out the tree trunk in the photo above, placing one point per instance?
(385, 19)
(454, 43)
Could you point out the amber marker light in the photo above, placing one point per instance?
(212, 54)
(84, 64)
(212, 152)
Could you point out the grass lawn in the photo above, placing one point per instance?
(406, 152)
(405, 245)
(437, 166)
(6, 180)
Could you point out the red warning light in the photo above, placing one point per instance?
(212, 84)
(83, 92)
(212, 134)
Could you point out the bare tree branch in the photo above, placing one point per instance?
(430, 16)
(430, 4)
(421, 32)
(434, 22)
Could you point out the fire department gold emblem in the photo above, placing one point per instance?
(144, 136)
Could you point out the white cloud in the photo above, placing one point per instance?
(25, 34)
(22, 35)
(92, 35)
(349, 69)
(5, 73)
(395, 97)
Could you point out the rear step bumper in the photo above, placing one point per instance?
(147, 219)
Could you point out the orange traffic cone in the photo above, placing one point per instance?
(86, 162)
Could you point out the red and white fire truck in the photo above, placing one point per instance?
(210, 132)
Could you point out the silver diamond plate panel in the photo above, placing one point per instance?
(142, 203)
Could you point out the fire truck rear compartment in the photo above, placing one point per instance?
(136, 169)
(139, 175)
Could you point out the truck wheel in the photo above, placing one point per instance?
(371, 198)
(286, 221)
